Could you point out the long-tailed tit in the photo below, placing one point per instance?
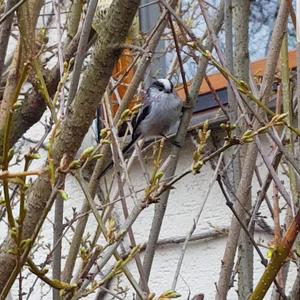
(161, 111)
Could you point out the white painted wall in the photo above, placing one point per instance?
(202, 262)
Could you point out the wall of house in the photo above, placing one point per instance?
(202, 261)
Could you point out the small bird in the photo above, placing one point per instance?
(161, 110)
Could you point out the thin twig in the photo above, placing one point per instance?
(81, 51)
(12, 10)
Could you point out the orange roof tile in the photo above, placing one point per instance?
(218, 81)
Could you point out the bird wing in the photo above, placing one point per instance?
(135, 124)
(141, 116)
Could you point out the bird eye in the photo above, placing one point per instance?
(160, 89)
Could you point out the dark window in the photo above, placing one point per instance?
(208, 101)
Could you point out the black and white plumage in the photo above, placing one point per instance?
(161, 111)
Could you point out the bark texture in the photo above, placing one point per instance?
(79, 117)
(241, 12)
(5, 33)
(33, 105)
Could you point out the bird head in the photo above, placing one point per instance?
(162, 85)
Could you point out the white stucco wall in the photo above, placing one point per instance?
(202, 262)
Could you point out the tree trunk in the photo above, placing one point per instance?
(241, 11)
(79, 117)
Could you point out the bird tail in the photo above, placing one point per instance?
(124, 151)
(130, 144)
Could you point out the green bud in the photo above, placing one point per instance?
(159, 175)
(63, 195)
(25, 243)
(169, 295)
(87, 153)
(35, 156)
(97, 156)
(11, 153)
(75, 164)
